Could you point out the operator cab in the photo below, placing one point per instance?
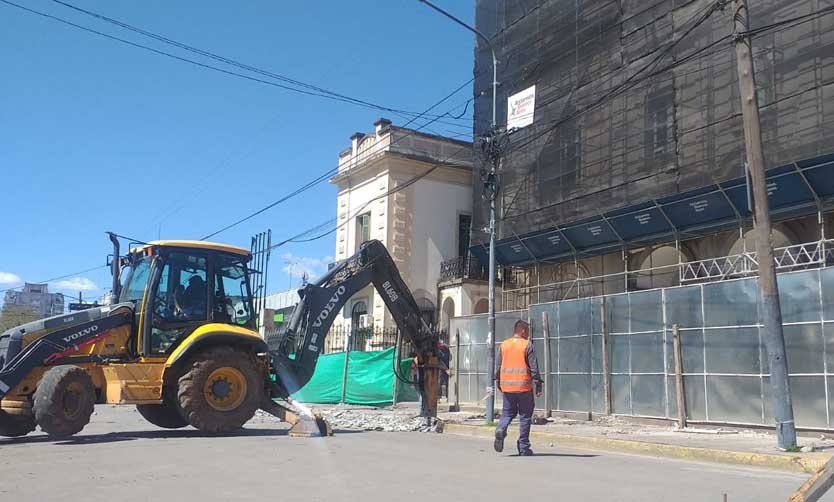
(178, 286)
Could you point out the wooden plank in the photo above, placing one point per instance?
(813, 489)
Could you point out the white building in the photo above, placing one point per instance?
(413, 192)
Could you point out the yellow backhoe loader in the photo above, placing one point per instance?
(180, 342)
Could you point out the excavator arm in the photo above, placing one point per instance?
(297, 350)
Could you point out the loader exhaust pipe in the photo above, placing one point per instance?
(115, 268)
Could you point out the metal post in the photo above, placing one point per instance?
(548, 404)
(457, 370)
(491, 179)
(345, 367)
(490, 405)
(768, 289)
(679, 390)
(396, 390)
(606, 366)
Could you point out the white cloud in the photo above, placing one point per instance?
(76, 284)
(297, 266)
(8, 278)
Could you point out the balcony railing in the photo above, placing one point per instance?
(462, 268)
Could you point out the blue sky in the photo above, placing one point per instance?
(97, 135)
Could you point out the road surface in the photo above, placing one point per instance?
(118, 457)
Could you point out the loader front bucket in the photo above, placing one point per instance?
(304, 424)
(311, 427)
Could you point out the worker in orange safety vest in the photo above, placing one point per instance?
(517, 376)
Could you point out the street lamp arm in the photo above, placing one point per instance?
(486, 39)
(490, 405)
(474, 30)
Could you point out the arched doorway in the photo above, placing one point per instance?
(658, 267)
(357, 335)
(447, 312)
(427, 311)
(482, 307)
(781, 238)
(359, 309)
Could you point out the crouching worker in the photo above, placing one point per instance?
(516, 375)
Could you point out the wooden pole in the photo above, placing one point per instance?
(676, 340)
(548, 404)
(606, 366)
(768, 289)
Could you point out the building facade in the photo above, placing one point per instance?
(37, 298)
(632, 163)
(624, 216)
(413, 192)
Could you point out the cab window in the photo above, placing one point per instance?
(134, 280)
(231, 293)
(180, 300)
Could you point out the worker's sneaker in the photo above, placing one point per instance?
(525, 453)
(500, 434)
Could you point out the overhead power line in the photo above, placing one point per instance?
(285, 83)
(67, 276)
(627, 84)
(331, 172)
(705, 51)
(302, 236)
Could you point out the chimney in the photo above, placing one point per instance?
(381, 124)
(354, 142)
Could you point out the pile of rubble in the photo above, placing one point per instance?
(366, 418)
(387, 420)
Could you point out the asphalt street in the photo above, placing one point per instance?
(119, 457)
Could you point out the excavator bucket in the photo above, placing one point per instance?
(304, 424)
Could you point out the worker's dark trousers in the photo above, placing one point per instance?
(521, 404)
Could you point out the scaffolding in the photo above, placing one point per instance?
(675, 126)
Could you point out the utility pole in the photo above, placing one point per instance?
(490, 181)
(768, 289)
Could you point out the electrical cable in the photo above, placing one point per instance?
(53, 279)
(624, 86)
(330, 172)
(316, 93)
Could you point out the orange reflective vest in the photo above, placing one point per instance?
(515, 375)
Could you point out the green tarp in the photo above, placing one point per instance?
(370, 379)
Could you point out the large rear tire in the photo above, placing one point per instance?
(16, 425)
(165, 415)
(64, 401)
(220, 390)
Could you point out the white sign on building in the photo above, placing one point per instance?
(520, 108)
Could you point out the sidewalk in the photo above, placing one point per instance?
(726, 446)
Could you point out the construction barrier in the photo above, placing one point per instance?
(366, 378)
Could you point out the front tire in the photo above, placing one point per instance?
(16, 425)
(165, 415)
(220, 390)
(64, 401)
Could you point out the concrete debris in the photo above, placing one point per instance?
(387, 422)
(807, 449)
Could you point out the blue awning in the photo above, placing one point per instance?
(793, 190)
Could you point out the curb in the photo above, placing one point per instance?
(808, 463)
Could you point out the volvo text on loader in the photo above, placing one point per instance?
(180, 342)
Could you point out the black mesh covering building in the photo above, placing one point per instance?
(637, 134)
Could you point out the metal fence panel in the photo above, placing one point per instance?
(724, 360)
(730, 303)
